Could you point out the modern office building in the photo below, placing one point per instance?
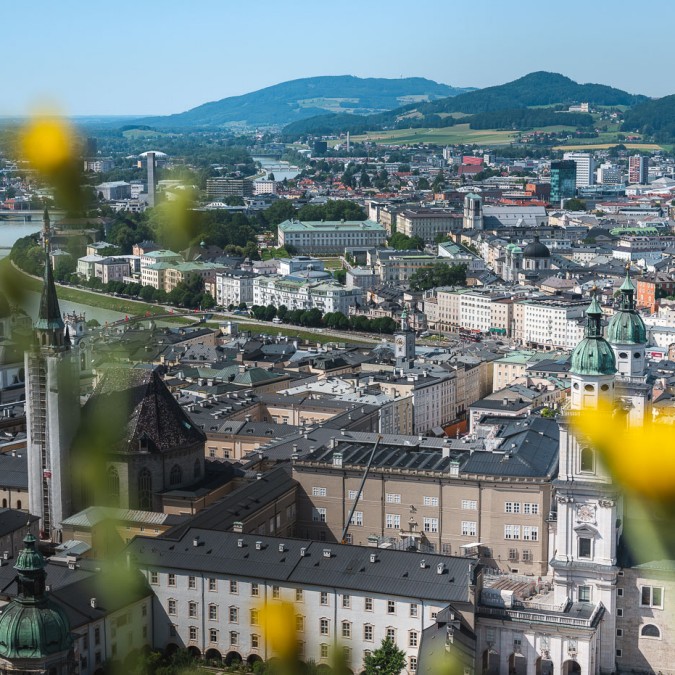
(219, 188)
(563, 180)
(585, 167)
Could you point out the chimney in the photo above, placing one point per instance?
(423, 564)
(282, 548)
(237, 526)
(195, 541)
(240, 543)
(258, 545)
(326, 553)
(373, 557)
(93, 602)
(303, 551)
(440, 568)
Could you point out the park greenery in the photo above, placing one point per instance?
(387, 659)
(437, 275)
(402, 242)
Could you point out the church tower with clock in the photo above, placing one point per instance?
(404, 344)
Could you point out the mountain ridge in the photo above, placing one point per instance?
(285, 102)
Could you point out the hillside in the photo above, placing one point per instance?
(653, 118)
(536, 89)
(300, 99)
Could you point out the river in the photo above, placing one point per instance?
(101, 315)
(279, 168)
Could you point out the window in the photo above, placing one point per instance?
(323, 651)
(512, 507)
(469, 528)
(323, 626)
(530, 533)
(347, 652)
(234, 613)
(234, 587)
(413, 609)
(584, 547)
(192, 582)
(193, 632)
(255, 641)
(368, 605)
(234, 638)
(619, 632)
(431, 524)
(391, 607)
(357, 518)
(527, 556)
(619, 592)
(430, 501)
(299, 597)
(172, 580)
(619, 611)
(299, 623)
(319, 515)
(587, 463)
(469, 504)
(213, 612)
(513, 554)
(346, 601)
(192, 610)
(511, 531)
(213, 635)
(392, 498)
(324, 598)
(176, 475)
(254, 617)
(318, 492)
(391, 634)
(154, 578)
(649, 630)
(97, 631)
(393, 521)
(531, 509)
(368, 632)
(276, 592)
(213, 585)
(412, 662)
(171, 608)
(144, 490)
(113, 484)
(412, 638)
(255, 590)
(584, 593)
(346, 629)
(651, 596)
(619, 653)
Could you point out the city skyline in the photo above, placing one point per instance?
(147, 60)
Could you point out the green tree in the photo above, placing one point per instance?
(575, 204)
(280, 210)
(402, 242)
(340, 276)
(437, 275)
(439, 182)
(365, 179)
(387, 659)
(65, 267)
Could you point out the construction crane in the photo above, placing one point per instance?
(343, 539)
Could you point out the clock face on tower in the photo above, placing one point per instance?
(400, 341)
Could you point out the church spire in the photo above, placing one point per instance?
(49, 324)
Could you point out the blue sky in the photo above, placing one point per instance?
(164, 56)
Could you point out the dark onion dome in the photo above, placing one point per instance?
(535, 249)
(593, 355)
(626, 327)
(32, 626)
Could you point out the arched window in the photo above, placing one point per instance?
(145, 490)
(197, 469)
(176, 475)
(650, 630)
(587, 460)
(113, 481)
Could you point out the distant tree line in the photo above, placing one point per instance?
(314, 318)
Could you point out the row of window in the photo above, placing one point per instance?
(395, 498)
(525, 532)
(526, 508)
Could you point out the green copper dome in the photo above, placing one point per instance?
(593, 355)
(31, 625)
(626, 326)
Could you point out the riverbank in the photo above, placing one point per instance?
(10, 273)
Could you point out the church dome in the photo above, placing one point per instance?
(33, 631)
(626, 328)
(31, 625)
(535, 249)
(593, 355)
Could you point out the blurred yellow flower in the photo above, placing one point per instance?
(278, 624)
(48, 143)
(641, 459)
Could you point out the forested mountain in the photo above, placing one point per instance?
(506, 105)
(654, 118)
(307, 97)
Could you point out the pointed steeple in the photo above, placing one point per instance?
(49, 324)
(594, 318)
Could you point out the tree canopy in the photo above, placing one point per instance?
(387, 659)
(438, 275)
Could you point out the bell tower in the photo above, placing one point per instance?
(588, 505)
(52, 408)
(404, 343)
